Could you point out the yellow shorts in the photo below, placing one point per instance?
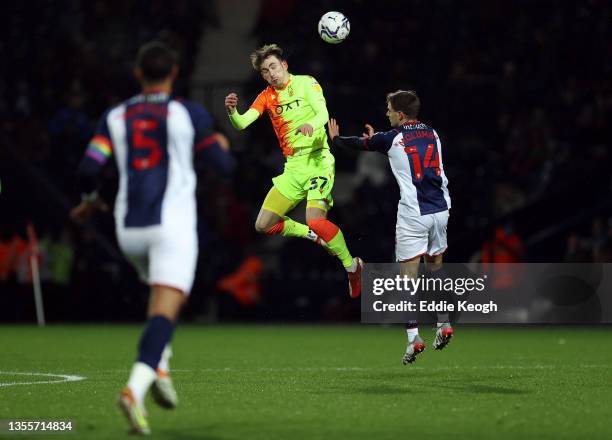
(309, 177)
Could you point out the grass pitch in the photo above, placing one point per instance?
(320, 382)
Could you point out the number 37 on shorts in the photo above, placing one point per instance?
(318, 183)
(319, 188)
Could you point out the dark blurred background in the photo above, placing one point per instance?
(519, 91)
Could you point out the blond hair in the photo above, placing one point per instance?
(258, 56)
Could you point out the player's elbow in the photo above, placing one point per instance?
(215, 154)
(228, 166)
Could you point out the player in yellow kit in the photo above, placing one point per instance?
(296, 107)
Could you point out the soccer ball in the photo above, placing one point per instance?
(334, 27)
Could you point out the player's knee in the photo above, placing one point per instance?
(434, 267)
(261, 226)
(433, 262)
(166, 301)
(264, 227)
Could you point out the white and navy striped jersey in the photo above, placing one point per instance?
(153, 138)
(415, 155)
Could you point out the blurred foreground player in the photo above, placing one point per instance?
(298, 112)
(152, 137)
(415, 155)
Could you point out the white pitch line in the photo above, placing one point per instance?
(358, 369)
(62, 378)
(364, 369)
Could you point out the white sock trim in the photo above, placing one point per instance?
(443, 318)
(164, 362)
(412, 333)
(141, 378)
(353, 266)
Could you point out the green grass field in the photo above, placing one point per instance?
(321, 382)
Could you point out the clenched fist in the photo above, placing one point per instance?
(231, 101)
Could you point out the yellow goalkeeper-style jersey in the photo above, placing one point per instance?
(299, 102)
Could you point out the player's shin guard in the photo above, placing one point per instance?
(157, 334)
(290, 228)
(412, 330)
(439, 276)
(444, 331)
(334, 238)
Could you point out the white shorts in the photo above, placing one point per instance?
(162, 255)
(416, 236)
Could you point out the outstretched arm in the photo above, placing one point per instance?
(347, 142)
(239, 121)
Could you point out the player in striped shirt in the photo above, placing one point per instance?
(415, 155)
(296, 107)
(153, 138)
